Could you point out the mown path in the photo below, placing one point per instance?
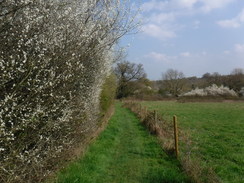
(124, 153)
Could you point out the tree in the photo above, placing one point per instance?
(236, 79)
(237, 71)
(214, 78)
(206, 75)
(173, 81)
(127, 72)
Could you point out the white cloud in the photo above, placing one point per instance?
(234, 22)
(159, 57)
(227, 52)
(161, 25)
(161, 16)
(188, 54)
(229, 23)
(204, 5)
(187, 3)
(204, 53)
(158, 31)
(154, 5)
(185, 54)
(196, 24)
(209, 5)
(239, 48)
(182, 5)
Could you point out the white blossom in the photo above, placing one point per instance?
(213, 90)
(54, 56)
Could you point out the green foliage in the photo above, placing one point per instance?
(124, 152)
(108, 93)
(163, 92)
(216, 130)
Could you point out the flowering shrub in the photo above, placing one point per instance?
(213, 90)
(242, 92)
(54, 56)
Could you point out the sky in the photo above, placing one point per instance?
(191, 36)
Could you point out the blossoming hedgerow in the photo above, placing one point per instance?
(54, 56)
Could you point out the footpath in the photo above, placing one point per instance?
(125, 152)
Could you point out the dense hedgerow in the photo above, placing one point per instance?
(54, 56)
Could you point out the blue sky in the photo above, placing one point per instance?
(192, 36)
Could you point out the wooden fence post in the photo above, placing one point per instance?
(176, 137)
(155, 116)
(140, 109)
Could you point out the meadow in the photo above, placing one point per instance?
(216, 133)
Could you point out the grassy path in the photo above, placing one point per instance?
(124, 153)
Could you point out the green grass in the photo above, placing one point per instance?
(217, 130)
(124, 153)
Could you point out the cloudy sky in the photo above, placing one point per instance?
(192, 36)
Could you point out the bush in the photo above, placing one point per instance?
(108, 93)
(242, 92)
(212, 91)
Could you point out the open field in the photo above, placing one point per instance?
(217, 132)
(125, 152)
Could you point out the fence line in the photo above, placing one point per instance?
(168, 134)
(153, 123)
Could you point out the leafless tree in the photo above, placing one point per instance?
(237, 71)
(236, 79)
(127, 72)
(173, 81)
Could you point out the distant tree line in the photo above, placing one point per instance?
(132, 82)
(235, 80)
(181, 84)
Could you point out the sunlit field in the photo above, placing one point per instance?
(217, 132)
